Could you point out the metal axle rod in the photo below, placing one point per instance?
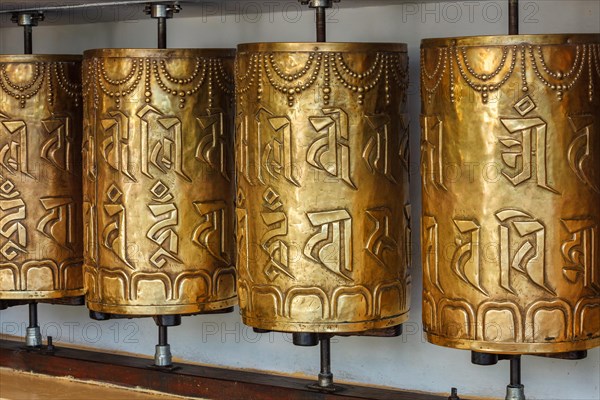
(321, 25)
(515, 370)
(515, 391)
(325, 380)
(513, 17)
(325, 376)
(162, 355)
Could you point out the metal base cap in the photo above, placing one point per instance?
(325, 380)
(305, 339)
(515, 392)
(162, 356)
(326, 389)
(33, 337)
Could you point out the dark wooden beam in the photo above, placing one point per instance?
(185, 379)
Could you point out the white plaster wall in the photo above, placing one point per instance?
(405, 362)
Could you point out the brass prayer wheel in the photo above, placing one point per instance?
(511, 192)
(322, 201)
(41, 245)
(158, 181)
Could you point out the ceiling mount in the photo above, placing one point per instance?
(320, 6)
(27, 19)
(162, 12)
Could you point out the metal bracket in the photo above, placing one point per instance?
(48, 349)
(320, 6)
(325, 380)
(454, 394)
(162, 355)
(515, 390)
(33, 336)
(162, 12)
(27, 20)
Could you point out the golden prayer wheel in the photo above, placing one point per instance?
(158, 181)
(511, 192)
(41, 245)
(323, 224)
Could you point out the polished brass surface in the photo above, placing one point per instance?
(511, 192)
(40, 177)
(322, 199)
(158, 181)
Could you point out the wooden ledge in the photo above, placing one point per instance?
(185, 379)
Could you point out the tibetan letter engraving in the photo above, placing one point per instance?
(211, 234)
(13, 154)
(161, 233)
(529, 257)
(274, 217)
(580, 253)
(115, 147)
(59, 223)
(377, 152)
(331, 151)
(162, 142)
(243, 155)
(526, 148)
(429, 227)
(407, 248)
(404, 151)
(12, 211)
(89, 230)
(332, 246)
(241, 233)
(381, 239)
(432, 166)
(58, 149)
(580, 154)
(114, 235)
(274, 147)
(466, 262)
(212, 148)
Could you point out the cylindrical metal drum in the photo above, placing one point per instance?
(322, 200)
(41, 245)
(511, 192)
(158, 181)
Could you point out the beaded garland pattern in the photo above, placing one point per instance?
(209, 71)
(51, 74)
(528, 58)
(329, 67)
